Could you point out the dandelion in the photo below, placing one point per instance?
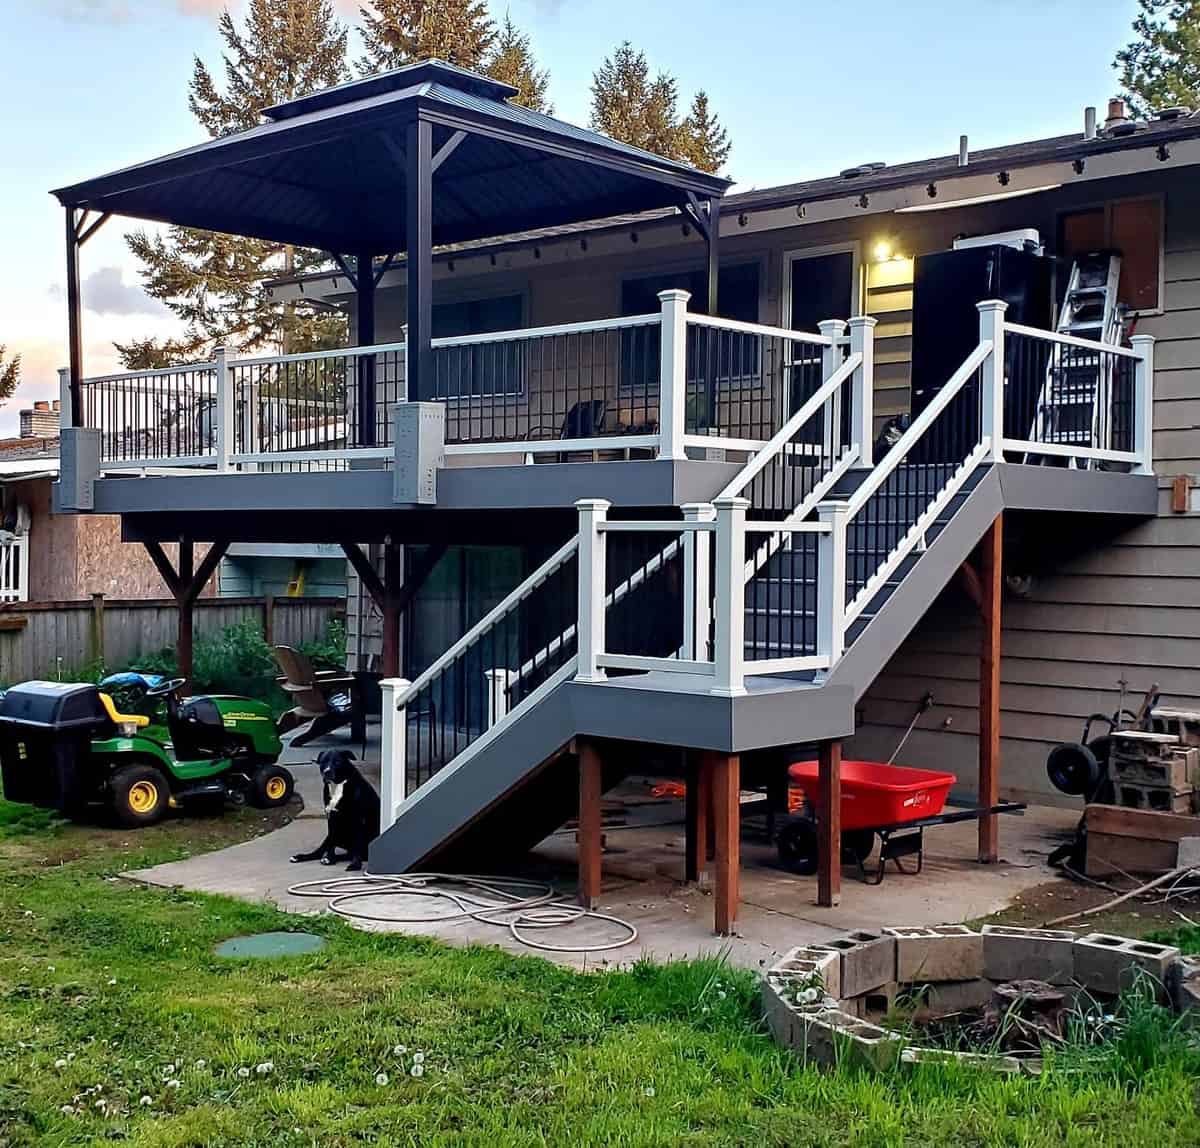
(67, 1110)
(29, 912)
(61, 1062)
(381, 1078)
(720, 994)
(418, 1058)
(70, 1057)
(201, 1063)
(101, 1103)
(50, 968)
(648, 1090)
(400, 1050)
(243, 1072)
(417, 1070)
(112, 980)
(169, 1070)
(172, 1083)
(266, 1067)
(145, 1101)
(809, 995)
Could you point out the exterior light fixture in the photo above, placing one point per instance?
(882, 250)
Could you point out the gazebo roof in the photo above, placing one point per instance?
(328, 170)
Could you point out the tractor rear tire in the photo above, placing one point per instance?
(139, 795)
(271, 786)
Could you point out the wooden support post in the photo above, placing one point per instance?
(185, 646)
(829, 824)
(698, 818)
(186, 584)
(588, 836)
(991, 579)
(725, 773)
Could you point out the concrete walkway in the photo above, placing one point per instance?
(643, 869)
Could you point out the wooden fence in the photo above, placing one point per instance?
(56, 639)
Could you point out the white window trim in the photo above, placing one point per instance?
(1106, 205)
(853, 248)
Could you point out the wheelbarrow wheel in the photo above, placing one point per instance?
(857, 845)
(797, 845)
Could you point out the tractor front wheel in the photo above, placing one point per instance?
(271, 785)
(139, 795)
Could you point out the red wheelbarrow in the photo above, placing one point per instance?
(895, 803)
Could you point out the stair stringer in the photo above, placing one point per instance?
(912, 597)
(478, 779)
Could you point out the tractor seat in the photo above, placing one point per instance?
(117, 718)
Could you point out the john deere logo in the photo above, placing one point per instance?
(232, 719)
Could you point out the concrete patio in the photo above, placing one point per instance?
(643, 880)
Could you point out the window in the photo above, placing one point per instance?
(737, 298)
(1131, 227)
(820, 286)
(485, 369)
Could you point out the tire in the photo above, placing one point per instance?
(1073, 769)
(271, 786)
(139, 795)
(797, 845)
(858, 845)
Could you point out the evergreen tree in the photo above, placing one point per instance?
(10, 374)
(216, 283)
(1161, 67)
(631, 105)
(399, 32)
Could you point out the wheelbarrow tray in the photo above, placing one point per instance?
(875, 794)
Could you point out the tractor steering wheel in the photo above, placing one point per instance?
(165, 689)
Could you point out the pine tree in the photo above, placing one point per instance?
(630, 105)
(216, 283)
(399, 32)
(1161, 67)
(10, 374)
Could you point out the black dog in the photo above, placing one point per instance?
(351, 810)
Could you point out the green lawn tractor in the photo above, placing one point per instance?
(67, 746)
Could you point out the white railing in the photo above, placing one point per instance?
(14, 567)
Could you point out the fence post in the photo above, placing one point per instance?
(97, 629)
(729, 649)
(862, 388)
(1143, 404)
(832, 357)
(592, 570)
(223, 415)
(697, 593)
(65, 413)
(831, 580)
(498, 683)
(991, 376)
(672, 375)
(393, 750)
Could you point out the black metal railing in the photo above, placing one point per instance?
(149, 415)
(1069, 395)
(495, 671)
(781, 595)
(745, 385)
(644, 581)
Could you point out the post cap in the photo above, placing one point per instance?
(698, 510)
(731, 502)
(1141, 340)
(831, 326)
(862, 320)
(674, 294)
(991, 305)
(592, 504)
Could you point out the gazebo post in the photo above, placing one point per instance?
(419, 232)
(713, 242)
(74, 323)
(364, 281)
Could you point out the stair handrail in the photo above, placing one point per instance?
(917, 429)
(781, 437)
(522, 591)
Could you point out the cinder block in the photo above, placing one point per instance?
(836, 1037)
(1159, 798)
(1176, 770)
(1108, 964)
(940, 953)
(947, 997)
(1011, 953)
(1010, 1064)
(810, 964)
(868, 961)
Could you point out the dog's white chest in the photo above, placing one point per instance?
(335, 796)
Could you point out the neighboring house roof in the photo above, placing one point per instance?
(291, 178)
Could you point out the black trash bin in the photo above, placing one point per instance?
(45, 733)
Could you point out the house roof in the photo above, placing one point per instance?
(328, 170)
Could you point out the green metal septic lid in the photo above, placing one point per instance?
(266, 945)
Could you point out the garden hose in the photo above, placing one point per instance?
(506, 902)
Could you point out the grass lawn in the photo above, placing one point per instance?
(118, 1024)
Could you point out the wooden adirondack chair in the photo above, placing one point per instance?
(325, 699)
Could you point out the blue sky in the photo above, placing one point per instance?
(804, 88)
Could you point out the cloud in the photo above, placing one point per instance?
(105, 292)
(122, 11)
(92, 11)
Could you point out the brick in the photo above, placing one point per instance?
(1108, 964)
(832, 1038)
(811, 964)
(868, 961)
(939, 953)
(1011, 953)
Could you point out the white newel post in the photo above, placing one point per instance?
(1143, 403)
(831, 580)
(729, 639)
(65, 414)
(590, 626)
(224, 410)
(393, 750)
(498, 683)
(862, 388)
(672, 386)
(832, 357)
(991, 376)
(697, 594)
